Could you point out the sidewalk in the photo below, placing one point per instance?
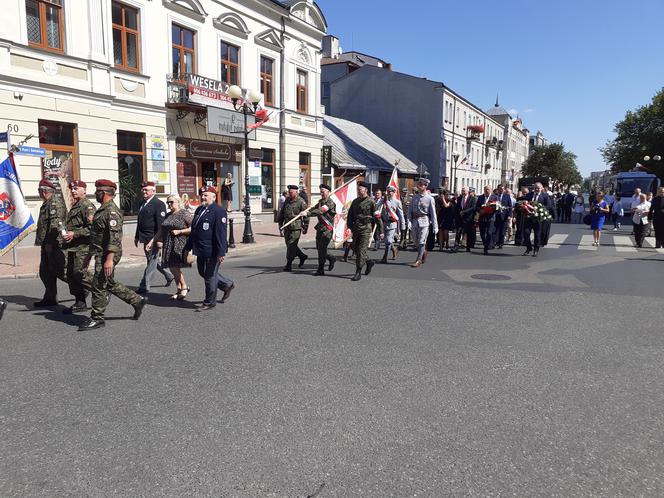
(266, 235)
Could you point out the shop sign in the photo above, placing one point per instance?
(326, 160)
(199, 149)
(208, 92)
(186, 179)
(228, 123)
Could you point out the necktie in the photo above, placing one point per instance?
(536, 196)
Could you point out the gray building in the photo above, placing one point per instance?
(403, 110)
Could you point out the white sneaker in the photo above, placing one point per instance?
(615, 229)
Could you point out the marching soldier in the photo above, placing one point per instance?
(77, 245)
(106, 247)
(405, 204)
(391, 213)
(326, 210)
(422, 216)
(362, 215)
(292, 207)
(50, 225)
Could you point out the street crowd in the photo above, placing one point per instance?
(175, 235)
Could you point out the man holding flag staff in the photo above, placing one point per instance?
(326, 211)
(391, 213)
(363, 218)
(50, 228)
(293, 206)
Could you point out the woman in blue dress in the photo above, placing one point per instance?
(598, 213)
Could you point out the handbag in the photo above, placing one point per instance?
(587, 219)
(189, 257)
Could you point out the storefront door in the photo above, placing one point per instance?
(234, 169)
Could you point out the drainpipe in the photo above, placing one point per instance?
(282, 107)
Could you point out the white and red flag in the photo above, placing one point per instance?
(342, 197)
(394, 182)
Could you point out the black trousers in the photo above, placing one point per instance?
(467, 228)
(208, 268)
(639, 233)
(487, 229)
(536, 229)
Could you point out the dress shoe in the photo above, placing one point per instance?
(138, 308)
(205, 307)
(3, 307)
(76, 307)
(319, 272)
(526, 253)
(303, 258)
(383, 260)
(357, 276)
(370, 265)
(141, 291)
(535, 252)
(92, 324)
(45, 303)
(486, 252)
(169, 282)
(288, 268)
(227, 293)
(331, 263)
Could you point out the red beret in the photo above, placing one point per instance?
(78, 183)
(208, 188)
(100, 184)
(46, 184)
(147, 184)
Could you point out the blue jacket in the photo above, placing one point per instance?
(208, 232)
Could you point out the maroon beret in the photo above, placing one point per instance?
(78, 183)
(101, 184)
(44, 183)
(147, 184)
(208, 188)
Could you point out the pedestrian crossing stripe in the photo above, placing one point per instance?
(620, 243)
(586, 243)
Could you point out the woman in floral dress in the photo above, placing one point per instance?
(172, 242)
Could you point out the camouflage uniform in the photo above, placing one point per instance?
(52, 264)
(361, 219)
(324, 230)
(106, 237)
(79, 220)
(290, 209)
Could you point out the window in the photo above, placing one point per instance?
(184, 52)
(131, 169)
(305, 171)
(230, 64)
(59, 140)
(45, 22)
(126, 37)
(301, 91)
(267, 77)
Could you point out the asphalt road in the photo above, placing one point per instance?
(473, 375)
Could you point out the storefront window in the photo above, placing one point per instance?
(235, 189)
(267, 175)
(59, 140)
(131, 170)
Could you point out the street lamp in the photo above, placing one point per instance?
(455, 156)
(646, 159)
(248, 105)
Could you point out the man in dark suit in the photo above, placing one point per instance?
(487, 218)
(568, 204)
(656, 215)
(537, 196)
(208, 242)
(151, 214)
(465, 219)
(504, 216)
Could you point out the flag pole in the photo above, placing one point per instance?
(300, 215)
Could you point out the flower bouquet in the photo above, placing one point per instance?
(490, 208)
(540, 213)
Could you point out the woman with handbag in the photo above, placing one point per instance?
(175, 230)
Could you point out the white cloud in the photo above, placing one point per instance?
(513, 112)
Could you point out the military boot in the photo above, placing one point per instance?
(289, 266)
(384, 260)
(79, 305)
(331, 261)
(370, 265)
(357, 276)
(320, 271)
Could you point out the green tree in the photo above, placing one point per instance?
(556, 163)
(640, 134)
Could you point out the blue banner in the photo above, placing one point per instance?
(15, 217)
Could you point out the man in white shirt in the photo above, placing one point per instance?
(640, 219)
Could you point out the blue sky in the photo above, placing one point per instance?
(570, 68)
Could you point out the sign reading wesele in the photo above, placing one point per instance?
(209, 92)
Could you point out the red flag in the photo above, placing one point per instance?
(394, 182)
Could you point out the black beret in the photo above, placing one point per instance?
(325, 186)
(362, 184)
(293, 187)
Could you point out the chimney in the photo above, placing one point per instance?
(331, 48)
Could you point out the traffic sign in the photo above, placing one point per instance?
(24, 150)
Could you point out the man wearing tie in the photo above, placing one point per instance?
(504, 216)
(207, 239)
(150, 216)
(537, 196)
(465, 220)
(487, 218)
